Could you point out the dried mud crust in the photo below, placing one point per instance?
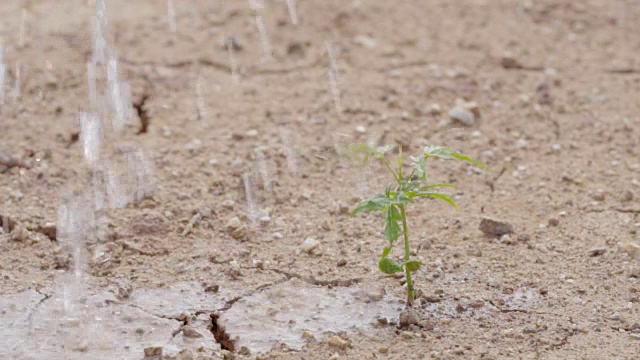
(555, 84)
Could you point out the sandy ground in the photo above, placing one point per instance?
(556, 86)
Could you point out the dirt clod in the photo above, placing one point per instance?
(493, 227)
(152, 351)
(338, 342)
(408, 317)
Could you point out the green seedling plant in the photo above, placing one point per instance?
(397, 196)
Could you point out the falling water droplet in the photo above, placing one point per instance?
(264, 36)
(171, 16)
(290, 152)
(91, 78)
(3, 71)
(201, 106)
(17, 87)
(91, 135)
(262, 163)
(291, 6)
(249, 190)
(23, 28)
(333, 74)
(235, 77)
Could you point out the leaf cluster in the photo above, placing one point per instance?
(396, 197)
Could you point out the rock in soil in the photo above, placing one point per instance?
(462, 115)
(493, 227)
(408, 317)
(337, 341)
(632, 249)
(309, 244)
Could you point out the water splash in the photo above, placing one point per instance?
(101, 25)
(119, 96)
(75, 226)
(284, 312)
(91, 136)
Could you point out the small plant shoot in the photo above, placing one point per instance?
(392, 203)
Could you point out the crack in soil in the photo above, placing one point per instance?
(37, 305)
(313, 281)
(564, 341)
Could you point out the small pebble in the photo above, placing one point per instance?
(337, 341)
(19, 233)
(553, 222)
(543, 291)
(507, 240)
(627, 196)
(508, 61)
(632, 249)
(309, 244)
(234, 223)
(190, 332)
(264, 219)
(462, 115)
(597, 251)
(435, 109)
(524, 237)
(361, 129)
(153, 351)
(407, 334)
(598, 195)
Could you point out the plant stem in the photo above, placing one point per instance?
(386, 163)
(407, 255)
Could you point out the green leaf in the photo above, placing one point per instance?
(413, 265)
(376, 203)
(441, 196)
(394, 214)
(391, 231)
(418, 167)
(391, 227)
(386, 251)
(448, 154)
(433, 186)
(400, 161)
(388, 266)
(382, 150)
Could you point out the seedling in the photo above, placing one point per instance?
(395, 199)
